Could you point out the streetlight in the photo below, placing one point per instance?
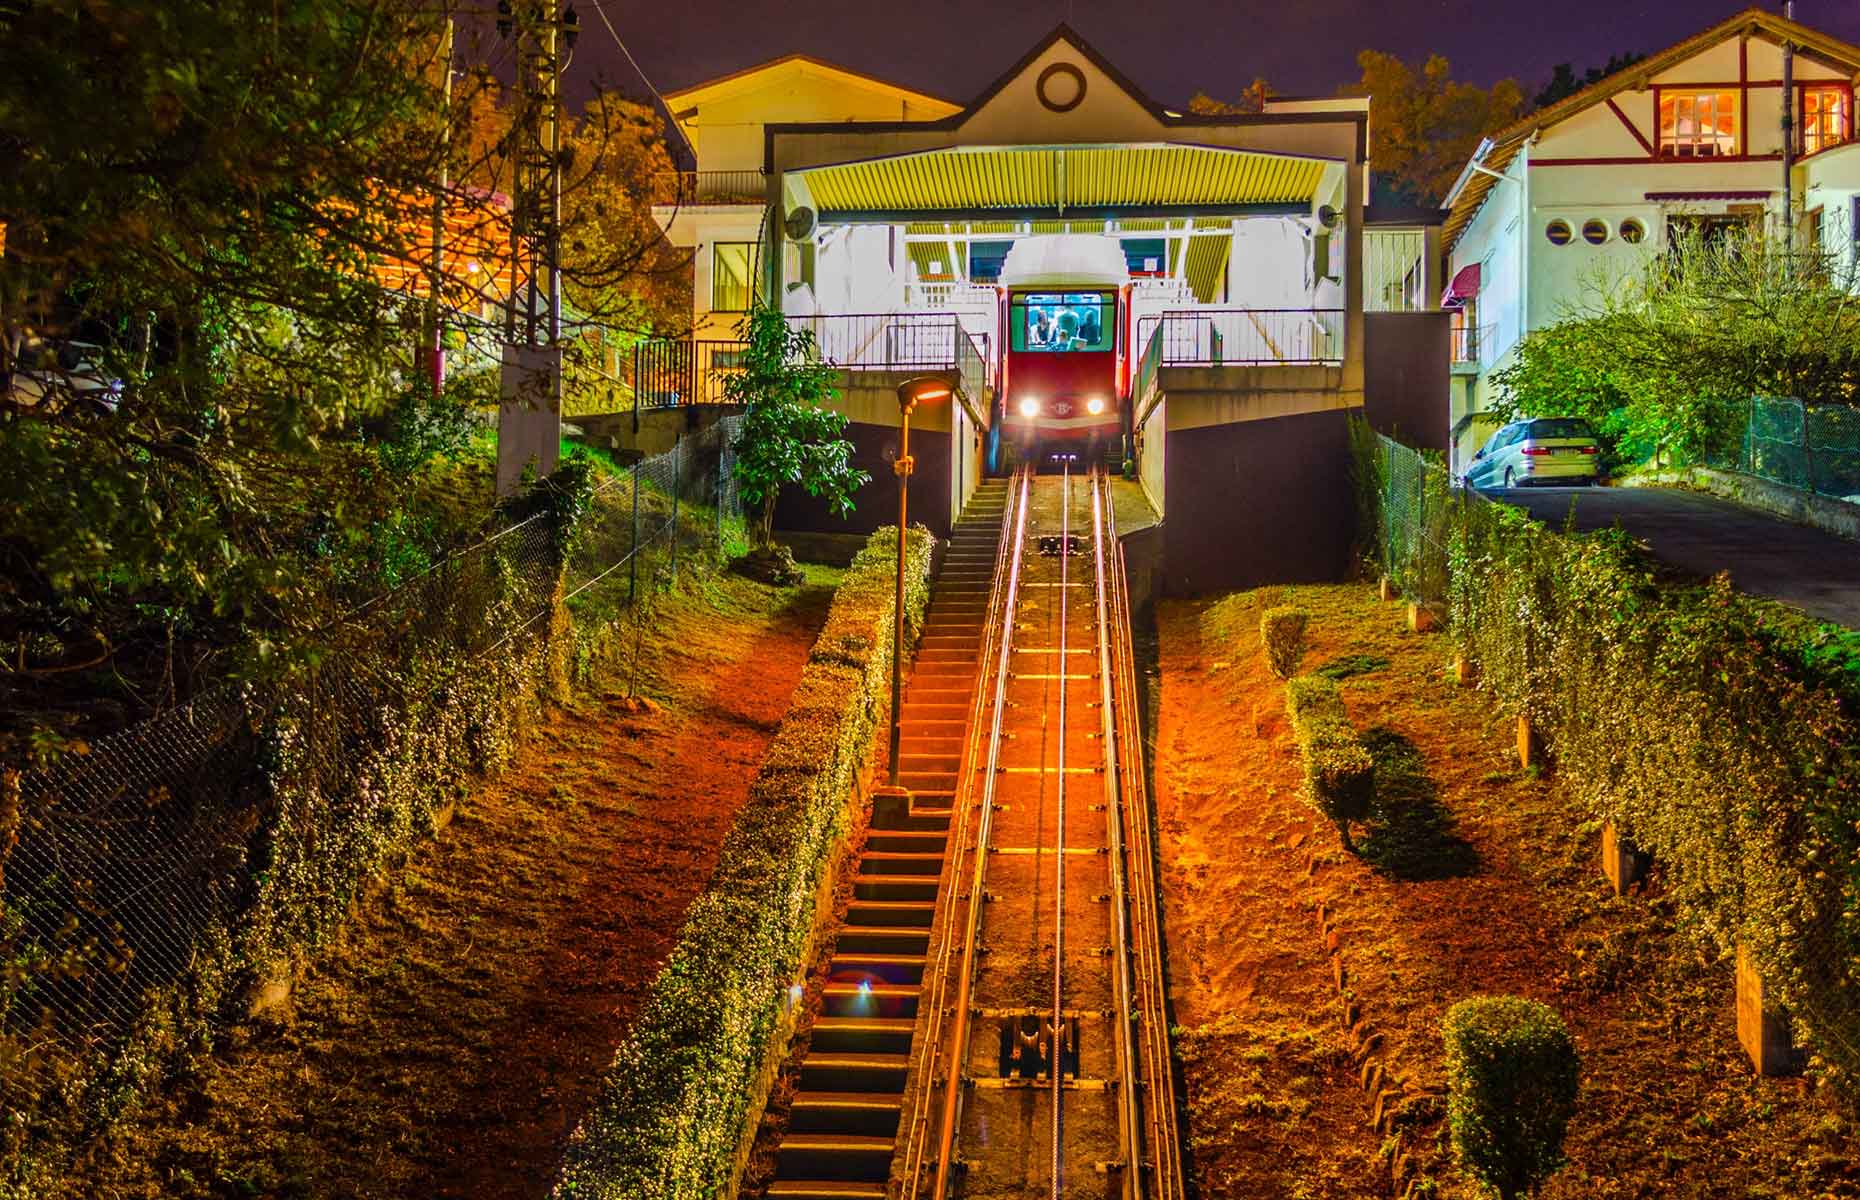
(925, 389)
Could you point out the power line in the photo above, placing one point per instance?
(601, 11)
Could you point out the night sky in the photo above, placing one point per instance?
(1171, 48)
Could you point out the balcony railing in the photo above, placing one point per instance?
(710, 187)
(1219, 337)
(670, 374)
(1468, 340)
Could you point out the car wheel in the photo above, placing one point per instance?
(1511, 480)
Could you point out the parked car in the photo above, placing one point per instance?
(1555, 451)
(63, 371)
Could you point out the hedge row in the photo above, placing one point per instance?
(672, 1111)
(1718, 732)
(1340, 773)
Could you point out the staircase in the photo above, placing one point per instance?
(844, 1121)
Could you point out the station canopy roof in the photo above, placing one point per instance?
(1051, 181)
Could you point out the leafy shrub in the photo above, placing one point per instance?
(1282, 632)
(1512, 1078)
(1340, 773)
(679, 1095)
(1721, 736)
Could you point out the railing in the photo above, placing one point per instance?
(1468, 340)
(710, 187)
(1219, 337)
(885, 341)
(668, 374)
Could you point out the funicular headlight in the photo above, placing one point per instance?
(1029, 407)
(1095, 405)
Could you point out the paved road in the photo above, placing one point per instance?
(1815, 571)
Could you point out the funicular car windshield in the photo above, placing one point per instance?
(1042, 321)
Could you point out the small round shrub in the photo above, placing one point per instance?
(1282, 631)
(1512, 1078)
(1340, 772)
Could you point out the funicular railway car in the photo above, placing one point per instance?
(1065, 373)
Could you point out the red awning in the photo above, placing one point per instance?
(1464, 287)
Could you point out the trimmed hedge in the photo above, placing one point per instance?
(671, 1114)
(1340, 773)
(1282, 632)
(1512, 1078)
(1718, 732)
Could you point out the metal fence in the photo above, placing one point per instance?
(1212, 337)
(1404, 512)
(1812, 447)
(136, 862)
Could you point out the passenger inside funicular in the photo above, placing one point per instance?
(1064, 321)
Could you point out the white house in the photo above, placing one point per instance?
(1573, 197)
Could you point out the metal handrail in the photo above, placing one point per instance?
(1114, 810)
(999, 629)
(1162, 1122)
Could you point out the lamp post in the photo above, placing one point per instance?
(926, 389)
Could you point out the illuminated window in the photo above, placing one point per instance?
(1594, 232)
(1063, 321)
(1558, 233)
(732, 273)
(1827, 118)
(1633, 232)
(1698, 124)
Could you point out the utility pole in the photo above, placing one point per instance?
(529, 428)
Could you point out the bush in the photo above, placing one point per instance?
(1282, 632)
(1340, 773)
(1512, 1079)
(676, 1101)
(1718, 732)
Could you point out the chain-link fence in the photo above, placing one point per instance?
(1403, 513)
(1812, 447)
(151, 881)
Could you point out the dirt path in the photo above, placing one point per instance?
(450, 1046)
(1472, 878)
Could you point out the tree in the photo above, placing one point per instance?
(1664, 360)
(1252, 100)
(1427, 125)
(788, 436)
(241, 222)
(1564, 82)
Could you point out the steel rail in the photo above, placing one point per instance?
(935, 1040)
(1055, 1069)
(1161, 1120)
(1128, 1124)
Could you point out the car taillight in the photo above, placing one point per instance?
(1588, 449)
(1536, 451)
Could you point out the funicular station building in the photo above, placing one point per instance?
(1262, 299)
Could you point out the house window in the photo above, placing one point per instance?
(1633, 232)
(1558, 233)
(732, 275)
(1594, 231)
(1698, 124)
(1827, 118)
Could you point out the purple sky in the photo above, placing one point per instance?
(1171, 48)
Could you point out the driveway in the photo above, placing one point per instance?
(1817, 572)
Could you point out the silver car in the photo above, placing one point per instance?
(1552, 451)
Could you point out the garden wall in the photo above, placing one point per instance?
(688, 1085)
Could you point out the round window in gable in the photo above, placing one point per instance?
(1594, 232)
(1558, 233)
(1633, 232)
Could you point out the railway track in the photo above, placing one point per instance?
(1040, 1060)
(995, 1024)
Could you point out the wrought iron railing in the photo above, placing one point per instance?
(1469, 341)
(1216, 337)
